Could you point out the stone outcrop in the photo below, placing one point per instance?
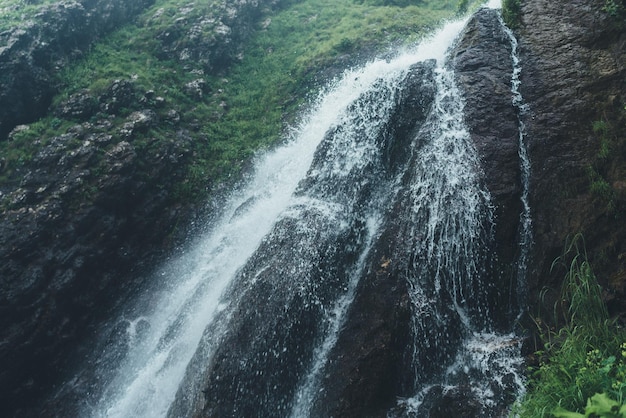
(213, 39)
(573, 56)
(483, 66)
(32, 53)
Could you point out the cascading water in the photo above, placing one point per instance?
(487, 366)
(246, 322)
(525, 238)
(452, 323)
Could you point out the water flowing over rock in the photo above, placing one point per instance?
(394, 306)
(306, 263)
(482, 67)
(372, 266)
(92, 210)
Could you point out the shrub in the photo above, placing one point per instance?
(614, 8)
(585, 358)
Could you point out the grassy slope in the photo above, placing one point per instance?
(248, 104)
(15, 13)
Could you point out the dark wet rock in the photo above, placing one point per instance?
(79, 106)
(268, 347)
(74, 233)
(573, 70)
(483, 67)
(456, 401)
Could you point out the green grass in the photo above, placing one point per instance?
(15, 13)
(586, 356)
(247, 106)
(598, 171)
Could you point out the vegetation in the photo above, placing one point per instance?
(511, 12)
(599, 170)
(615, 8)
(583, 366)
(245, 107)
(18, 12)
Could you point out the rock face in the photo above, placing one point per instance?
(573, 71)
(31, 54)
(574, 65)
(71, 235)
(370, 366)
(483, 67)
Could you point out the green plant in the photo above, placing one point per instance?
(599, 405)
(462, 7)
(601, 189)
(614, 8)
(511, 12)
(602, 128)
(585, 357)
(16, 13)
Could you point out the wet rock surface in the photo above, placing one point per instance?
(573, 70)
(483, 67)
(72, 231)
(268, 348)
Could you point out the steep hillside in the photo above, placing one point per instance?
(114, 140)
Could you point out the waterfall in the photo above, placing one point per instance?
(525, 235)
(157, 337)
(452, 218)
(246, 321)
(434, 48)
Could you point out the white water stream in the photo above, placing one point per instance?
(145, 383)
(525, 235)
(164, 332)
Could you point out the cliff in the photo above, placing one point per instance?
(92, 210)
(574, 66)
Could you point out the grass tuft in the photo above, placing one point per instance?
(585, 357)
